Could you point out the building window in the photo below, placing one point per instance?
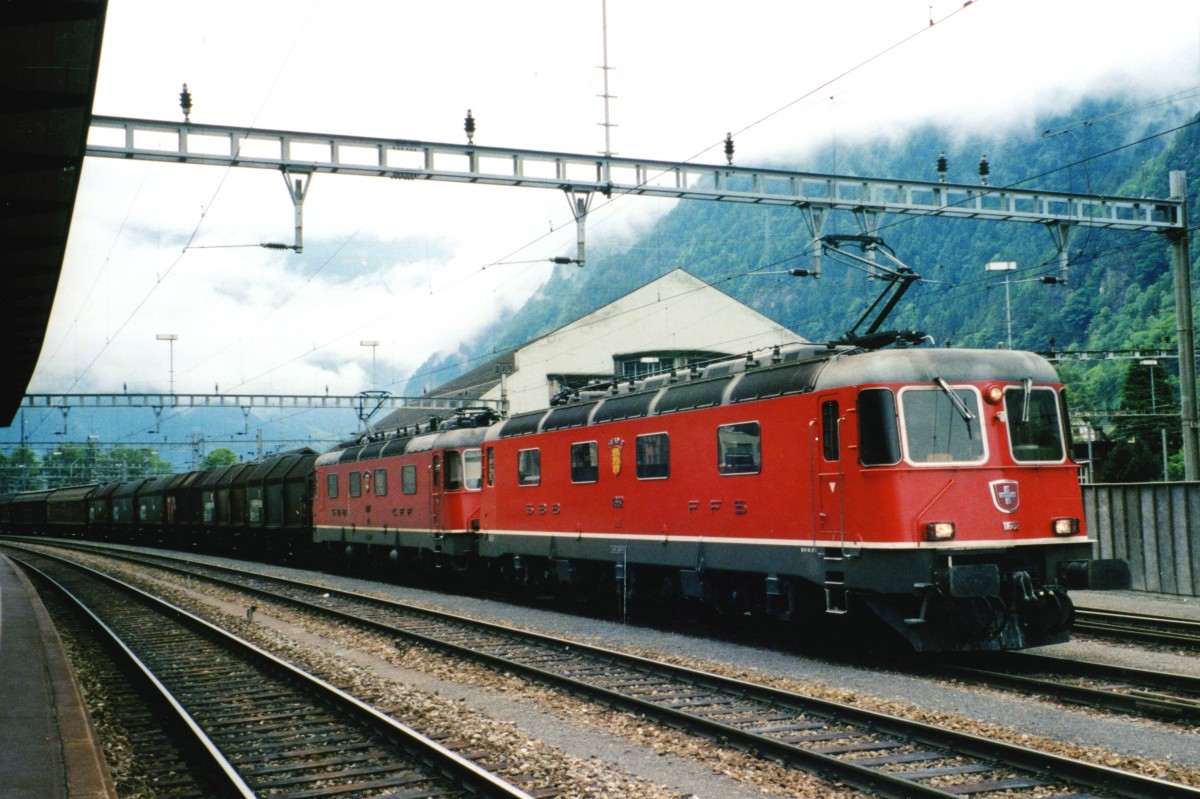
(529, 467)
(585, 462)
(739, 448)
(653, 457)
(379, 481)
(331, 486)
(408, 479)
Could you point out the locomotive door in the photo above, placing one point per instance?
(827, 471)
(435, 493)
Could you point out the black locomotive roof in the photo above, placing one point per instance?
(802, 371)
(925, 365)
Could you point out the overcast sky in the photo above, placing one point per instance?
(684, 73)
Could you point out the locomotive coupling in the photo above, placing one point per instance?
(969, 581)
(1103, 574)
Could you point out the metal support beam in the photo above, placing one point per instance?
(284, 401)
(580, 203)
(178, 142)
(814, 219)
(1061, 233)
(1184, 328)
(297, 189)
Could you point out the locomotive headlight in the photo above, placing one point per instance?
(1069, 526)
(939, 531)
(993, 395)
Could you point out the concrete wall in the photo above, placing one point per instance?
(1154, 526)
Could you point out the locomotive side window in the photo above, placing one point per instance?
(529, 467)
(829, 429)
(408, 479)
(472, 469)
(941, 425)
(454, 470)
(356, 484)
(653, 457)
(491, 466)
(585, 462)
(379, 482)
(1034, 431)
(739, 448)
(331, 486)
(878, 432)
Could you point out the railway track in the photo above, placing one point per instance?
(881, 754)
(255, 725)
(1148, 694)
(1139, 627)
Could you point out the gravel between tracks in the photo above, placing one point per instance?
(587, 751)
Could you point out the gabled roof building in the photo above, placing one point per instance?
(670, 323)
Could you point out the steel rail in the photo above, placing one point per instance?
(1126, 690)
(951, 743)
(1139, 627)
(460, 770)
(229, 782)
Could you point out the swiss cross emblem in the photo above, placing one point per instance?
(1005, 495)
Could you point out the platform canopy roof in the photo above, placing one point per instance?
(49, 58)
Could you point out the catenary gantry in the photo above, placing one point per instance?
(299, 154)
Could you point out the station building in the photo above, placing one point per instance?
(673, 322)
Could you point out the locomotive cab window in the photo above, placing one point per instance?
(454, 470)
(529, 467)
(408, 479)
(585, 462)
(472, 469)
(941, 425)
(1034, 428)
(739, 448)
(653, 455)
(331, 486)
(878, 430)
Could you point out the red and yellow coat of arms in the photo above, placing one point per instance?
(614, 450)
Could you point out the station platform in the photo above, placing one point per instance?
(48, 748)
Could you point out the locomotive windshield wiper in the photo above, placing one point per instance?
(955, 400)
(1027, 386)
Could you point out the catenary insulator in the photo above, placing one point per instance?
(729, 148)
(984, 169)
(185, 102)
(941, 166)
(469, 127)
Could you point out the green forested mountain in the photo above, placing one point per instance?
(1119, 295)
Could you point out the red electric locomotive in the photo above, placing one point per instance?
(932, 489)
(415, 490)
